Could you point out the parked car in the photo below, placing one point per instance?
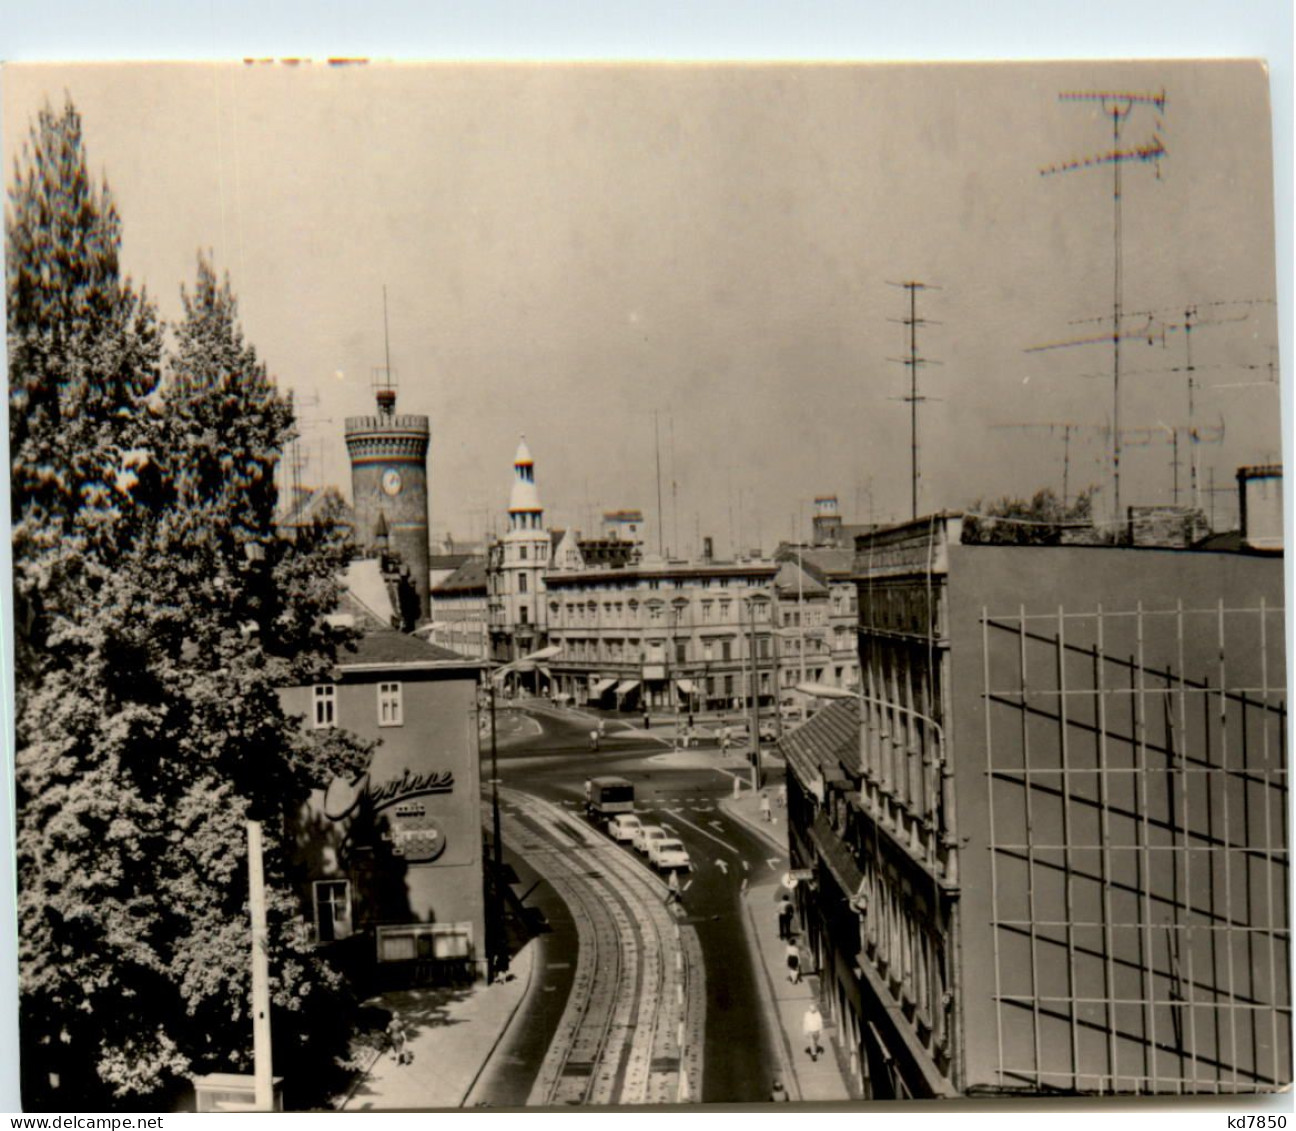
(666, 854)
(623, 827)
(645, 835)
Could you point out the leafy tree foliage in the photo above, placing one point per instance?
(1039, 521)
(162, 614)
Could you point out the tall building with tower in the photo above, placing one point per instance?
(516, 566)
(389, 481)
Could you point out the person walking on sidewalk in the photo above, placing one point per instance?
(766, 815)
(398, 1037)
(785, 914)
(594, 741)
(812, 1027)
(793, 961)
(647, 721)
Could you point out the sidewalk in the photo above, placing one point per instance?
(452, 1034)
(804, 1079)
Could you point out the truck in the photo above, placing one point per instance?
(607, 796)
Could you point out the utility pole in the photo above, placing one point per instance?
(912, 362)
(1116, 105)
(263, 1067)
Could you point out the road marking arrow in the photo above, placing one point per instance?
(716, 825)
(722, 866)
(772, 861)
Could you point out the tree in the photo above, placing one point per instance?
(1039, 521)
(166, 614)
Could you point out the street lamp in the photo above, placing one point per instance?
(497, 850)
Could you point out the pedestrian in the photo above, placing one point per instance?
(793, 961)
(690, 720)
(602, 727)
(398, 1037)
(785, 920)
(724, 738)
(673, 894)
(812, 1027)
(647, 721)
(778, 1093)
(594, 741)
(765, 806)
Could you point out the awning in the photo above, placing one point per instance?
(685, 685)
(626, 685)
(602, 686)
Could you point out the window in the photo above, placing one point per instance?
(706, 610)
(726, 650)
(325, 706)
(708, 651)
(522, 581)
(681, 651)
(389, 705)
(724, 610)
(332, 910)
(729, 686)
(522, 615)
(522, 551)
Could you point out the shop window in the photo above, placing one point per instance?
(332, 910)
(325, 700)
(444, 942)
(389, 705)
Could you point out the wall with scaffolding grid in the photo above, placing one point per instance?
(1121, 777)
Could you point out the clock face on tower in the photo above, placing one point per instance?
(391, 481)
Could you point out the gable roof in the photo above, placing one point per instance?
(469, 577)
(386, 646)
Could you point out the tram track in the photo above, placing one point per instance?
(631, 1032)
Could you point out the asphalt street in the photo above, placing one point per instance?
(546, 754)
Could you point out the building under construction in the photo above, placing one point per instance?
(1045, 849)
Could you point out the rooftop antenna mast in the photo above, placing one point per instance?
(385, 379)
(1118, 106)
(912, 363)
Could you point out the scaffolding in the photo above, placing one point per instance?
(1138, 862)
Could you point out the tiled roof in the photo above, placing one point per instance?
(469, 576)
(386, 646)
(829, 740)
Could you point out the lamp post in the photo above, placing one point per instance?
(497, 844)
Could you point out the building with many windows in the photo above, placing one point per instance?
(459, 610)
(1045, 845)
(664, 634)
(389, 866)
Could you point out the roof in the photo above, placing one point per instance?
(792, 581)
(828, 742)
(387, 646)
(469, 577)
(447, 561)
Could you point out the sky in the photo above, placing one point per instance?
(694, 264)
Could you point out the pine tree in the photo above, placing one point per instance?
(165, 613)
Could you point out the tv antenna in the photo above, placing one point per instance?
(1118, 106)
(912, 363)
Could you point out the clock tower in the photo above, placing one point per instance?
(389, 479)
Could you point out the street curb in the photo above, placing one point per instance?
(529, 949)
(787, 1071)
(726, 803)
